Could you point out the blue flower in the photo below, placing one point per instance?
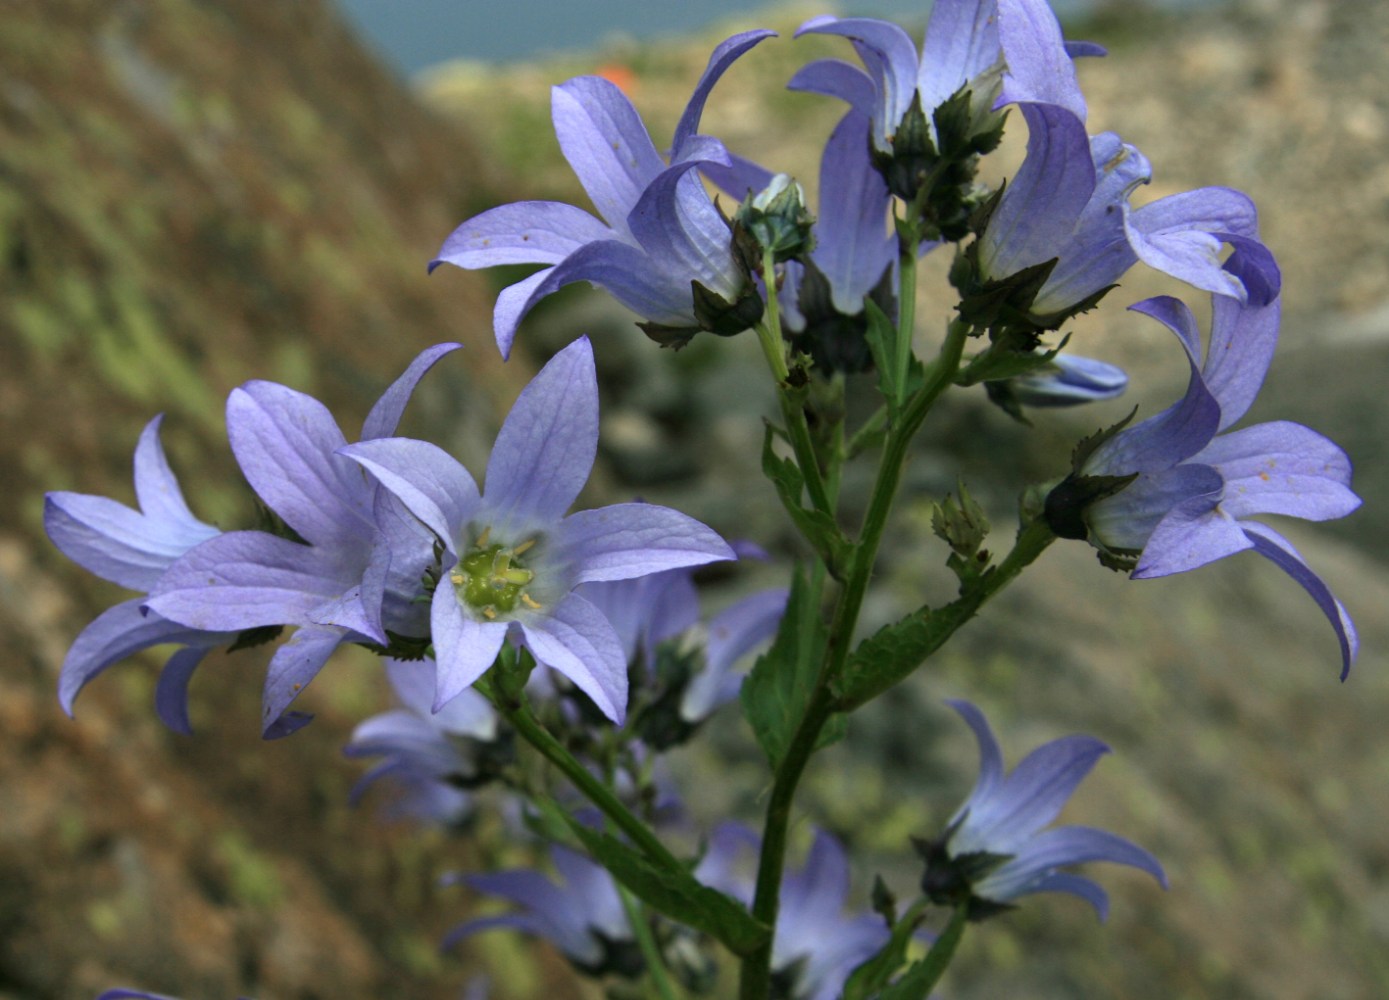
(132, 548)
(353, 570)
(582, 916)
(511, 557)
(659, 231)
(1198, 483)
(1069, 380)
(995, 843)
(816, 947)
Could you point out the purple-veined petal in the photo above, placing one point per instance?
(961, 44)
(402, 732)
(1174, 235)
(1177, 316)
(109, 539)
(411, 548)
(740, 177)
(574, 638)
(171, 692)
(890, 56)
(1243, 338)
(723, 56)
(246, 579)
(1162, 441)
(646, 611)
(604, 140)
(294, 665)
(385, 413)
(705, 150)
(1029, 798)
(853, 246)
(837, 78)
(1038, 67)
(633, 539)
(1035, 867)
(1039, 208)
(1274, 547)
(158, 493)
(463, 648)
(1074, 885)
(1282, 468)
(414, 684)
(1127, 520)
(546, 446)
(113, 635)
(426, 479)
(679, 228)
(1068, 381)
(990, 757)
(514, 301)
(523, 232)
(285, 442)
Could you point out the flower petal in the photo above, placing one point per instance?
(294, 665)
(853, 247)
(961, 44)
(1127, 520)
(890, 56)
(1279, 550)
(385, 413)
(523, 232)
(463, 648)
(1191, 534)
(171, 692)
(837, 78)
(429, 481)
(990, 757)
(633, 539)
(574, 638)
(546, 446)
(109, 539)
(1282, 468)
(1243, 338)
(158, 493)
(604, 140)
(285, 442)
(733, 633)
(1035, 866)
(679, 227)
(1174, 235)
(1038, 68)
(723, 56)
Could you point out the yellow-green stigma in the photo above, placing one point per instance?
(491, 578)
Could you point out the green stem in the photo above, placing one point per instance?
(646, 941)
(756, 976)
(792, 412)
(550, 748)
(923, 976)
(906, 308)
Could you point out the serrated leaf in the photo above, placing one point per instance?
(894, 651)
(882, 339)
(777, 689)
(816, 526)
(676, 893)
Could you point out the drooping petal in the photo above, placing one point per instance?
(247, 579)
(837, 78)
(1127, 520)
(294, 665)
(463, 648)
(633, 539)
(1049, 850)
(961, 44)
(1162, 441)
(1243, 338)
(606, 144)
(116, 633)
(158, 493)
(386, 412)
(1039, 70)
(522, 232)
(680, 229)
(890, 56)
(990, 757)
(723, 56)
(574, 638)
(429, 481)
(1282, 468)
(285, 442)
(1279, 550)
(514, 301)
(546, 446)
(1191, 534)
(171, 692)
(853, 247)
(1175, 235)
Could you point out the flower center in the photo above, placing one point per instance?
(491, 578)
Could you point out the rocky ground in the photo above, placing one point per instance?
(192, 195)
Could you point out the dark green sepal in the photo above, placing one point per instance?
(1067, 503)
(723, 318)
(658, 722)
(834, 341)
(401, 647)
(950, 881)
(253, 637)
(675, 892)
(510, 674)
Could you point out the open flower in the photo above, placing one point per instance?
(132, 548)
(353, 570)
(1198, 483)
(658, 234)
(511, 557)
(995, 849)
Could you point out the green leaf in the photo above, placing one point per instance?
(873, 975)
(777, 690)
(676, 893)
(882, 340)
(894, 651)
(816, 526)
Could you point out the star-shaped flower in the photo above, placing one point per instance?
(511, 558)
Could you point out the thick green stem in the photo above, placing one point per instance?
(906, 321)
(550, 748)
(756, 976)
(792, 412)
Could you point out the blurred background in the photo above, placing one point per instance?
(194, 194)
